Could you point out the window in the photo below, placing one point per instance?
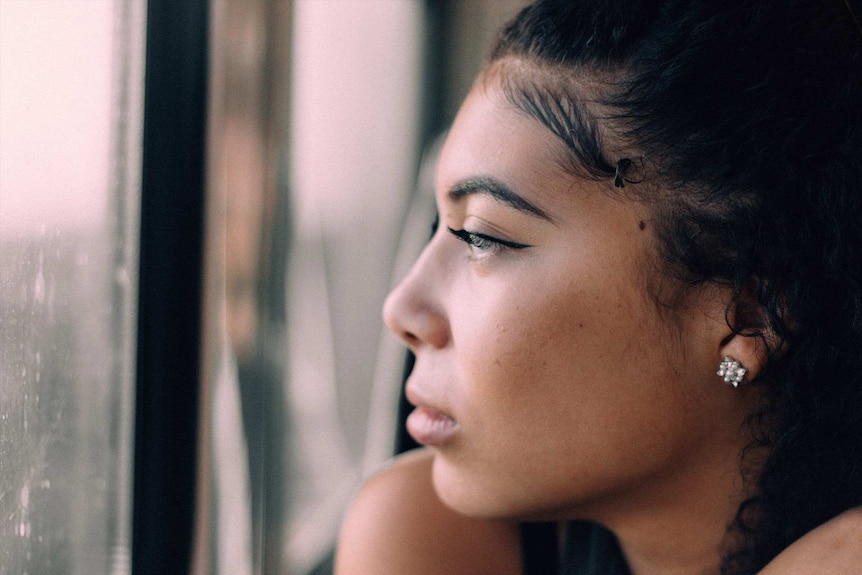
(201, 212)
(70, 138)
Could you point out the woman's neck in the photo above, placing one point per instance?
(681, 526)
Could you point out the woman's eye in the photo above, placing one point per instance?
(484, 243)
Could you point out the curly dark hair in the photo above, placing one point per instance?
(746, 118)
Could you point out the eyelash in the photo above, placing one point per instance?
(485, 243)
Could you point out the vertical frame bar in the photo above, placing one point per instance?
(172, 209)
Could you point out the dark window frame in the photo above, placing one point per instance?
(170, 281)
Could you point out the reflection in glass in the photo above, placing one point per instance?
(320, 111)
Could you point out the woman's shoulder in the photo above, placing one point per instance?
(398, 525)
(835, 548)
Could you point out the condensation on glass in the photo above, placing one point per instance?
(71, 80)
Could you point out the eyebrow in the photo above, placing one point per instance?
(498, 191)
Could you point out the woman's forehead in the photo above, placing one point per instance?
(491, 137)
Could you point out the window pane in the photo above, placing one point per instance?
(243, 416)
(316, 126)
(70, 110)
(354, 149)
(305, 204)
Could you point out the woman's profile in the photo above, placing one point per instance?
(639, 318)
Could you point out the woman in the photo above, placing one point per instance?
(634, 197)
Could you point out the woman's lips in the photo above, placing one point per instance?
(430, 427)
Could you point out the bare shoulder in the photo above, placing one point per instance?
(834, 548)
(397, 525)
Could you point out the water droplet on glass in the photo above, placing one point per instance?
(39, 288)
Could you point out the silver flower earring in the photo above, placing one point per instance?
(731, 370)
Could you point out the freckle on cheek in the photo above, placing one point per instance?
(642, 225)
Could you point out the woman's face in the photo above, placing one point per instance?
(547, 379)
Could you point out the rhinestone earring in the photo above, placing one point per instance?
(731, 370)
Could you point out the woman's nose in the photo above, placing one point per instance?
(413, 310)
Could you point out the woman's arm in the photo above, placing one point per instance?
(834, 548)
(398, 526)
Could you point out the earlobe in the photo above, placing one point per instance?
(744, 351)
(748, 351)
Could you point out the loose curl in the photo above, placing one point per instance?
(748, 116)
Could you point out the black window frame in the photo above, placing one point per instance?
(170, 281)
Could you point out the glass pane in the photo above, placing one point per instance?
(317, 130)
(243, 418)
(70, 114)
(354, 145)
(303, 227)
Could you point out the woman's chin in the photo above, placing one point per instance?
(469, 494)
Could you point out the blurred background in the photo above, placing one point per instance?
(203, 205)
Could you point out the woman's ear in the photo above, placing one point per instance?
(748, 350)
(751, 338)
